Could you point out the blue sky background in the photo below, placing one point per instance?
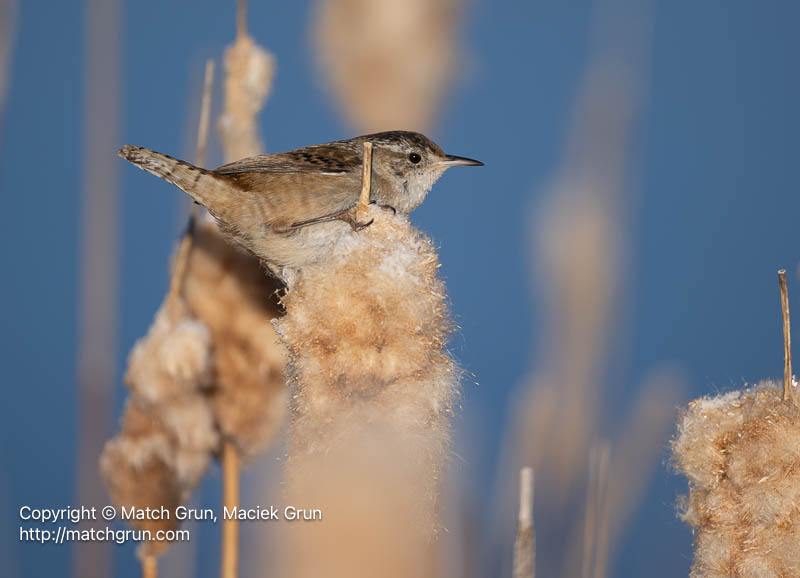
(716, 208)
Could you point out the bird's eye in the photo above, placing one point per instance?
(414, 158)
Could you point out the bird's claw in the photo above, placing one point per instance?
(359, 226)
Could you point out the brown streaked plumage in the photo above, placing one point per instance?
(287, 208)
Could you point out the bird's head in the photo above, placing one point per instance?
(411, 163)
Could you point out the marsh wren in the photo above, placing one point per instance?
(288, 208)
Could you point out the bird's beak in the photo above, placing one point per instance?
(454, 161)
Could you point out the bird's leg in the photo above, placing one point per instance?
(390, 207)
(358, 226)
(354, 218)
(349, 216)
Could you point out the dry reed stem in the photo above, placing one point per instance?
(205, 116)
(230, 500)
(181, 261)
(788, 393)
(590, 520)
(241, 18)
(525, 542)
(8, 20)
(99, 263)
(595, 534)
(149, 567)
(603, 534)
(366, 184)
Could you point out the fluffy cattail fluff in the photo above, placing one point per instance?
(372, 391)
(248, 77)
(387, 63)
(740, 452)
(167, 437)
(236, 300)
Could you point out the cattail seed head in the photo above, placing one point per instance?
(372, 391)
(167, 435)
(740, 452)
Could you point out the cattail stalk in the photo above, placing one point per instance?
(525, 542)
(181, 261)
(366, 184)
(230, 500)
(788, 393)
(150, 567)
(205, 116)
(100, 256)
(595, 536)
(241, 18)
(182, 257)
(8, 21)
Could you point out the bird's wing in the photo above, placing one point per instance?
(288, 201)
(301, 187)
(317, 159)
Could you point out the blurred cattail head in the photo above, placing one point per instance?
(167, 436)
(249, 70)
(138, 466)
(234, 297)
(387, 63)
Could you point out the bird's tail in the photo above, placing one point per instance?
(202, 185)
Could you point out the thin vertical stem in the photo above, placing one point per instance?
(182, 258)
(149, 567)
(595, 530)
(525, 543)
(589, 521)
(99, 257)
(205, 115)
(230, 500)
(8, 24)
(366, 184)
(241, 18)
(602, 538)
(787, 338)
